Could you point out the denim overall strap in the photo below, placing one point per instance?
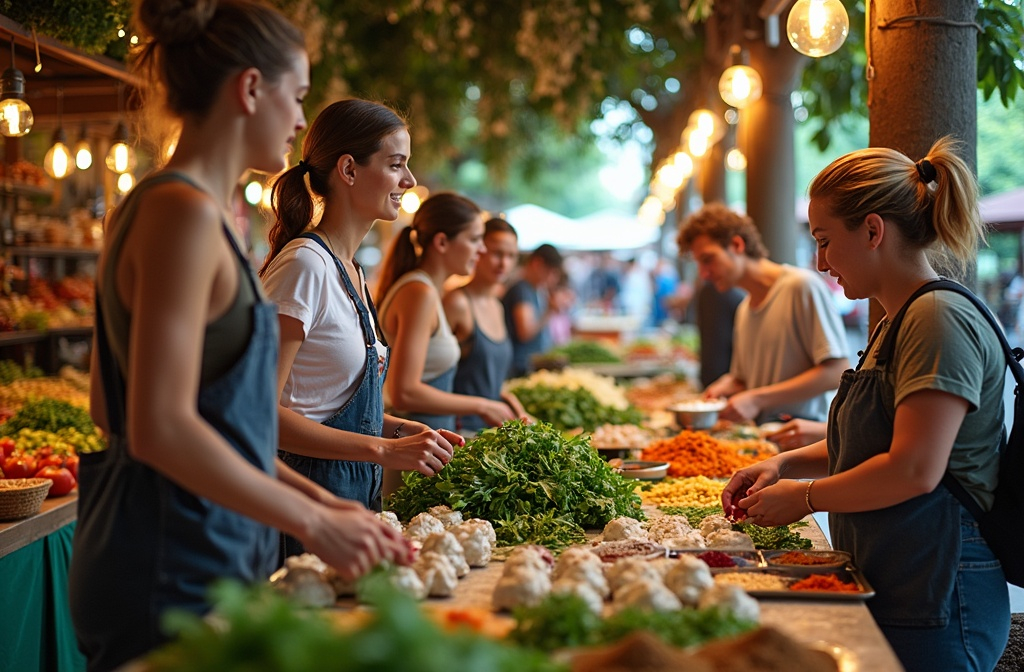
(144, 544)
(363, 413)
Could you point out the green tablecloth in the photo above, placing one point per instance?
(35, 620)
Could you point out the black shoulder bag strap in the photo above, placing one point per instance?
(1013, 357)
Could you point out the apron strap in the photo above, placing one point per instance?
(368, 329)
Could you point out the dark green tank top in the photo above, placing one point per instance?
(225, 338)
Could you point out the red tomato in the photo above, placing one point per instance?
(50, 461)
(7, 446)
(71, 464)
(19, 465)
(43, 451)
(63, 481)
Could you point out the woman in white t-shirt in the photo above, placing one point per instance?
(333, 359)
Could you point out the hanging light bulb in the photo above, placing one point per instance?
(735, 160)
(16, 116)
(83, 151)
(58, 162)
(708, 123)
(740, 85)
(253, 193)
(125, 182)
(817, 27)
(121, 157)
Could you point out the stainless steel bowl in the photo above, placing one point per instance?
(697, 415)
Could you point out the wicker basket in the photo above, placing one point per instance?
(22, 497)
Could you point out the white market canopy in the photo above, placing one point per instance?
(604, 230)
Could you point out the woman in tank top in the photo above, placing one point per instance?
(445, 239)
(333, 359)
(188, 489)
(477, 319)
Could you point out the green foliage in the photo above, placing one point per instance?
(527, 480)
(11, 371)
(565, 620)
(89, 25)
(257, 630)
(1000, 49)
(586, 352)
(565, 408)
(49, 415)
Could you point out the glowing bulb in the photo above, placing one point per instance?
(735, 160)
(268, 197)
(16, 117)
(57, 163)
(708, 123)
(411, 202)
(83, 154)
(121, 157)
(125, 182)
(698, 144)
(684, 162)
(817, 27)
(740, 86)
(670, 175)
(253, 193)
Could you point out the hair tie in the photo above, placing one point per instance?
(926, 171)
(303, 167)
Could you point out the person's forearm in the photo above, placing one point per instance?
(877, 483)
(303, 436)
(807, 462)
(197, 458)
(422, 398)
(294, 479)
(812, 382)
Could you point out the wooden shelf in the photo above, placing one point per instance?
(33, 336)
(23, 189)
(50, 251)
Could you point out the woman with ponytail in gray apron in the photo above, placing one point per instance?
(899, 423)
(477, 319)
(185, 354)
(334, 358)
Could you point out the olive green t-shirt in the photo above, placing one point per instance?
(945, 344)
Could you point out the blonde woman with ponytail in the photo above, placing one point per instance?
(185, 352)
(334, 358)
(898, 424)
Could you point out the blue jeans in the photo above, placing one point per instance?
(979, 618)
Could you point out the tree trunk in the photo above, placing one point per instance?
(771, 169)
(925, 80)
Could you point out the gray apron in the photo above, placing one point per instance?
(909, 552)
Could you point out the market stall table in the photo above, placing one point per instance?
(35, 622)
(832, 623)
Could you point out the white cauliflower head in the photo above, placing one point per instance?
(732, 599)
(531, 555)
(730, 539)
(647, 594)
(712, 524)
(690, 539)
(575, 555)
(437, 574)
(389, 518)
(475, 544)
(525, 585)
(487, 528)
(446, 544)
(406, 580)
(585, 572)
(422, 526)
(666, 527)
(623, 527)
(688, 579)
(581, 589)
(446, 515)
(628, 569)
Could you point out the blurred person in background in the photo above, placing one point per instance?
(789, 344)
(477, 319)
(528, 308)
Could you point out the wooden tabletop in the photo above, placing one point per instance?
(55, 514)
